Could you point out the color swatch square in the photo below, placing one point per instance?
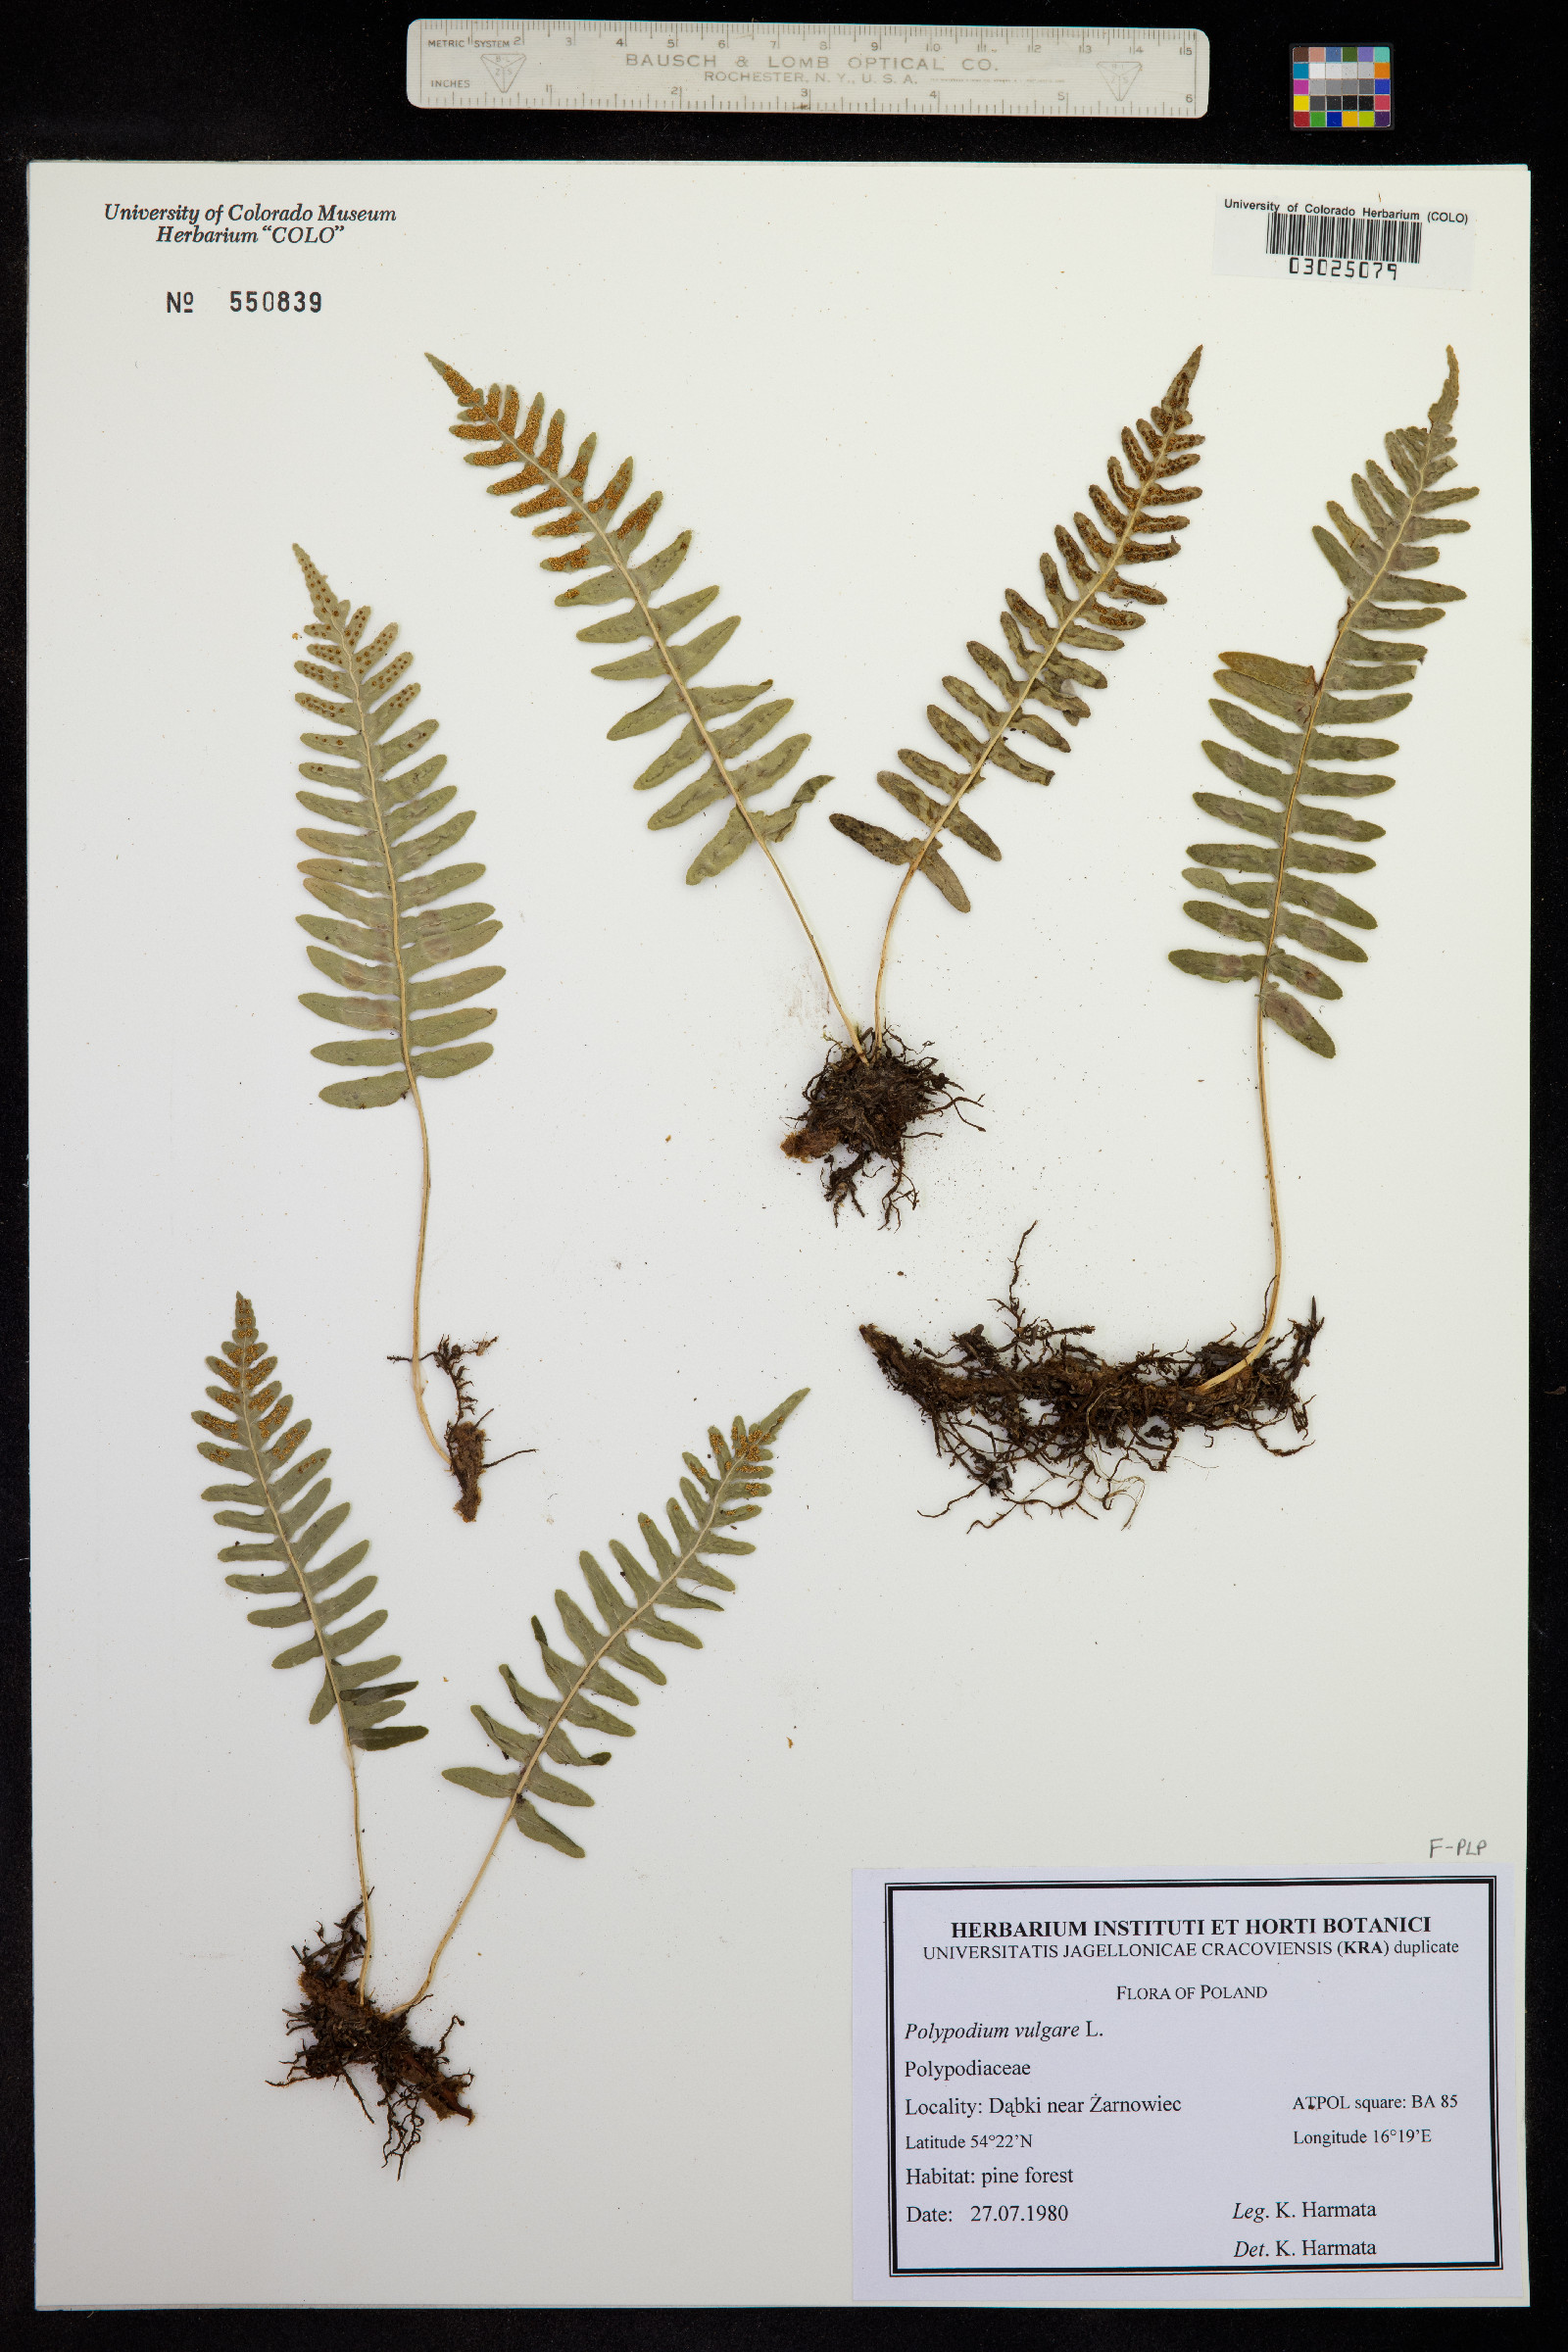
(1342, 85)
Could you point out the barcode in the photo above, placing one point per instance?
(1331, 237)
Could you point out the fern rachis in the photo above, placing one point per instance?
(1134, 513)
(368, 872)
(1276, 896)
(495, 419)
(716, 1502)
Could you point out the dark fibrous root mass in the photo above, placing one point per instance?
(861, 1116)
(343, 2032)
(1041, 1405)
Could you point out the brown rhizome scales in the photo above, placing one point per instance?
(344, 2030)
(465, 1436)
(871, 1113)
(1095, 1424)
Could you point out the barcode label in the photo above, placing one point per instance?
(1375, 245)
(1342, 237)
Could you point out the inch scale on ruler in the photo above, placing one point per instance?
(659, 65)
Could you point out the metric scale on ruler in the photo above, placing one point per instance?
(670, 66)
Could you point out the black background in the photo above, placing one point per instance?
(228, 83)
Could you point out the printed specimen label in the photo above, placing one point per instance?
(1217, 2077)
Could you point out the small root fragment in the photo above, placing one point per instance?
(859, 1113)
(1041, 1402)
(344, 2031)
(465, 1436)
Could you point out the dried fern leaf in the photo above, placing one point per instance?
(604, 553)
(384, 927)
(712, 1503)
(1130, 526)
(283, 1514)
(1277, 895)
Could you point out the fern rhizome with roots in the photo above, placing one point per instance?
(872, 1094)
(1040, 1401)
(276, 1501)
(384, 930)
(860, 1113)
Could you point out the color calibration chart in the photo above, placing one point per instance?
(1340, 87)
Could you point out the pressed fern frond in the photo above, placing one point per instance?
(605, 552)
(1280, 896)
(282, 1499)
(1137, 514)
(385, 927)
(283, 1511)
(714, 1501)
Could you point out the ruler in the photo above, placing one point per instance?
(659, 64)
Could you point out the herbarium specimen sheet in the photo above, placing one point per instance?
(870, 396)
